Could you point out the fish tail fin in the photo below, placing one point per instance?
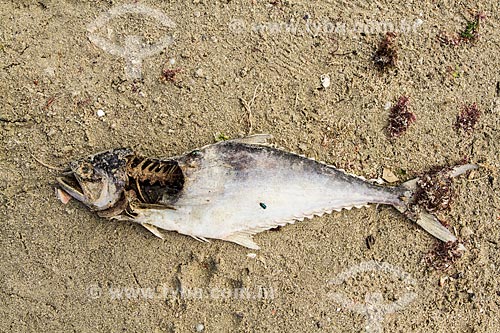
(409, 206)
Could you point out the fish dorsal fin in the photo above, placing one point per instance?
(242, 238)
(256, 139)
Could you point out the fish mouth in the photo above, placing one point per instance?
(70, 184)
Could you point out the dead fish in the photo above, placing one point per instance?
(230, 190)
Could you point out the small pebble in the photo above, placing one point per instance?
(67, 149)
(100, 113)
(172, 61)
(471, 295)
(51, 132)
(198, 73)
(466, 232)
(325, 80)
(252, 255)
(50, 71)
(200, 327)
(389, 176)
(442, 280)
(387, 106)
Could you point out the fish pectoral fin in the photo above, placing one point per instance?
(243, 239)
(153, 230)
(256, 139)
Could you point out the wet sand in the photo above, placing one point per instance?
(240, 68)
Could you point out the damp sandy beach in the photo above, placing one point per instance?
(163, 78)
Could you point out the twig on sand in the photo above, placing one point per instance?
(47, 165)
(248, 106)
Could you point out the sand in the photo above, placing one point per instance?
(63, 97)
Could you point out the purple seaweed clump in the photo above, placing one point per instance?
(468, 118)
(400, 118)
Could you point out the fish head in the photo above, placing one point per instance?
(99, 181)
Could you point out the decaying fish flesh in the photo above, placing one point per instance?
(230, 190)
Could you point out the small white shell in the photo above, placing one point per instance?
(418, 23)
(325, 80)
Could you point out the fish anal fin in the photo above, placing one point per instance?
(151, 228)
(200, 239)
(256, 139)
(243, 239)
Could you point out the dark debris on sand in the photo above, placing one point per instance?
(169, 75)
(386, 55)
(434, 190)
(468, 118)
(400, 118)
(443, 255)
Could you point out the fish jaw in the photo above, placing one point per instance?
(100, 197)
(72, 190)
(98, 181)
